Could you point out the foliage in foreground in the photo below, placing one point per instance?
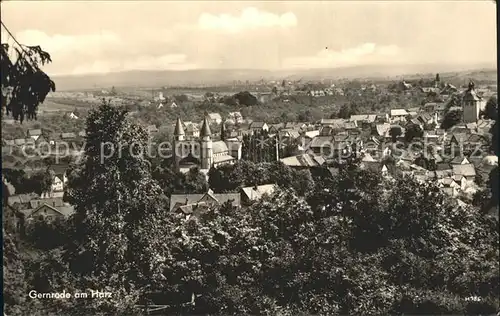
(356, 244)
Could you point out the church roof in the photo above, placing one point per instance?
(205, 128)
(179, 130)
(219, 147)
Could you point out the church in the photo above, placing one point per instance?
(472, 104)
(203, 151)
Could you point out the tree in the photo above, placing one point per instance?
(413, 131)
(246, 98)
(344, 111)
(119, 210)
(451, 119)
(491, 109)
(395, 132)
(27, 83)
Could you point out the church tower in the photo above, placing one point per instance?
(472, 104)
(437, 82)
(179, 137)
(206, 152)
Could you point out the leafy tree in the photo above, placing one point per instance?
(28, 84)
(413, 131)
(345, 111)
(395, 132)
(119, 207)
(246, 98)
(451, 119)
(491, 109)
(181, 98)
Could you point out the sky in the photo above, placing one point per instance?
(108, 36)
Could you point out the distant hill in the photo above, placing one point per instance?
(221, 76)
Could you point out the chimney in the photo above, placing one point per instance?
(187, 200)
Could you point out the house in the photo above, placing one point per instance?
(214, 118)
(449, 186)
(398, 115)
(364, 119)
(430, 90)
(34, 133)
(19, 142)
(259, 126)
(449, 89)
(322, 145)
(236, 117)
(68, 136)
(467, 170)
(173, 105)
(255, 193)
(177, 201)
(192, 130)
(426, 118)
(475, 142)
(382, 129)
(331, 121)
(47, 210)
(311, 134)
(73, 116)
(20, 201)
(459, 160)
(289, 133)
(304, 161)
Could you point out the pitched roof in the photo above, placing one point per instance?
(441, 166)
(256, 192)
(65, 210)
(179, 130)
(219, 147)
(320, 141)
(331, 121)
(20, 141)
(222, 158)
(382, 129)
(305, 160)
(476, 138)
(458, 160)
(67, 135)
(370, 118)
(257, 125)
(34, 132)
(205, 128)
(181, 199)
(21, 198)
(398, 112)
(467, 170)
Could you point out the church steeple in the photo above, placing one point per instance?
(179, 130)
(205, 129)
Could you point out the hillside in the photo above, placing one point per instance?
(221, 76)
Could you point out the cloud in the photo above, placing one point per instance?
(107, 51)
(250, 18)
(367, 53)
(56, 44)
